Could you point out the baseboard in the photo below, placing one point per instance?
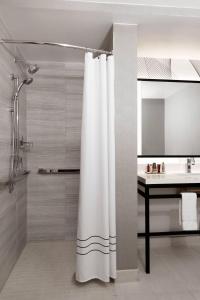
(129, 275)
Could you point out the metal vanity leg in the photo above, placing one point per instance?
(147, 236)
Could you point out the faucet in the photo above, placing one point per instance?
(190, 163)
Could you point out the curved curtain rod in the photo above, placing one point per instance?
(63, 45)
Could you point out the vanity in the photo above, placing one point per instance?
(149, 182)
(168, 127)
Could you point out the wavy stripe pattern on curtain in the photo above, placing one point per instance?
(96, 236)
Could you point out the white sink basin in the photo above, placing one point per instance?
(170, 178)
(186, 174)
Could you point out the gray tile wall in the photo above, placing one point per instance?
(54, 105)
(12, 206)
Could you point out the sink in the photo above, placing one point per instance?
(171, 178)
(186, 174)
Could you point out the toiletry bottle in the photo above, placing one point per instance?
(154, 168)
(148, 168)
(163, 167)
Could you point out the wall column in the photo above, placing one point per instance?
(125, 53)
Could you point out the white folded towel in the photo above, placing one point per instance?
(188, 218)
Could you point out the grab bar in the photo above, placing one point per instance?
(57, 171)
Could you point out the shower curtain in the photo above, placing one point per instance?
(96, 236)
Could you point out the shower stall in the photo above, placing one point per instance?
(48, 107)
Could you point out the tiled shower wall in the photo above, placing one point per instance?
(54, 105)
(12, 206)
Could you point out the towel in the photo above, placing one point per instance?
(188, 211)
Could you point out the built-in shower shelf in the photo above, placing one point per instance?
(58, 171)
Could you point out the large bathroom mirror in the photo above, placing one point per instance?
(168, 118)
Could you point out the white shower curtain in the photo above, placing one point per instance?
(96, 236)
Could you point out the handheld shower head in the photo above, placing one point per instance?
(32, 69)
(27, 80)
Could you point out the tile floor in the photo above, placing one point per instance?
(45, 272)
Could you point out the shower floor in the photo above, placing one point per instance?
(45, 271)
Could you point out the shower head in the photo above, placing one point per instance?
(32, 69)
(27, 80)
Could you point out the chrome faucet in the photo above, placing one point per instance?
(190, 163)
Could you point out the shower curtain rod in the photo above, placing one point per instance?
(63, 45)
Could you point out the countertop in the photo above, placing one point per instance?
(170, 178)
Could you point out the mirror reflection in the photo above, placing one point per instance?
(168, 118)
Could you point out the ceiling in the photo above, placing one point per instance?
(73, 27)
(164, 30)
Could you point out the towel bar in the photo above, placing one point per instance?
(163, 196)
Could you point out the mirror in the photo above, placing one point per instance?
(168, 118)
